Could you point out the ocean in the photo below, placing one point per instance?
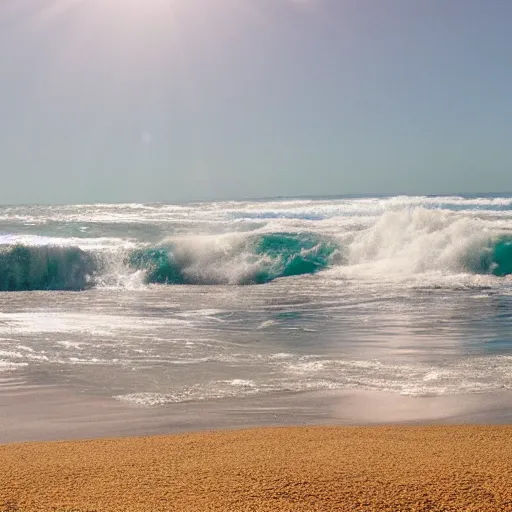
(157, 304)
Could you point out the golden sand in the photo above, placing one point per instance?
(305, 469)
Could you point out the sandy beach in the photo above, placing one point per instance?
(347, 451)
(434, 468)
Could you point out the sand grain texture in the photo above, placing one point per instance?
(304, 469)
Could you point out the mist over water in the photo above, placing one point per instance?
(157, 304)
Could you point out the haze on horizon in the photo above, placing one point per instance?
(174, 100)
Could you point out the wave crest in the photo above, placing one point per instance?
(400, 243)
(417, 241)
(250, 260)
(46, 268)
(495, 257)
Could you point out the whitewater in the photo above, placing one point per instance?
(155, 304)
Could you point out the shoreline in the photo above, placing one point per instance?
(340, 450)
(385, 468)
(52, 413)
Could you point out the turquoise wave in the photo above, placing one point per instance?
(262, 259)
(24, 268)
(288, 255)
(255, 259)
(494, 258)
(158, 265)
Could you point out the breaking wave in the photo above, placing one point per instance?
(198, 260)
(495, 258)
(255, 259)
(418, 241)
(404, 242)
(46, 268)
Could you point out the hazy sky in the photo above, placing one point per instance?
(170, 100)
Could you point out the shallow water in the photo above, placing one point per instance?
(404, 300)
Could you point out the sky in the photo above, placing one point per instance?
(176, 100)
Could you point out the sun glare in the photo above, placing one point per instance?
(114, 11)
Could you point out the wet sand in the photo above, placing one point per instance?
(435, 468)
(38, 412)
(218, 466)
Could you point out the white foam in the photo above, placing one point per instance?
(243, 383)
(8, 366)
(101, 243)
(86, 323)
(471, 374)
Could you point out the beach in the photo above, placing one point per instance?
(297, 354)
(347, 451)
(389, 468)
(255, 255)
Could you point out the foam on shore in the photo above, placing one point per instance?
(448, 468)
